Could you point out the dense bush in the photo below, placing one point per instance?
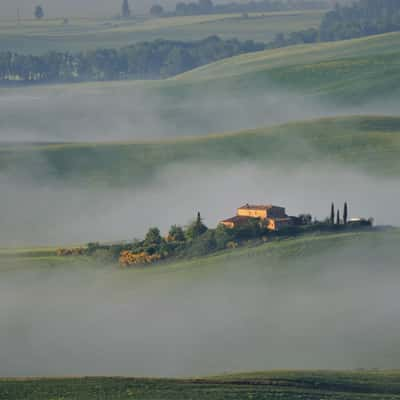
(362, 18)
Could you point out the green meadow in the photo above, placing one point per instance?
(285, 385)
(37, 37)
(367, 144)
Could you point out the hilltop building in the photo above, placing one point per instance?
(273, 217)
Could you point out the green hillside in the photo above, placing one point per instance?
(300, 82)
(369, 144)
(37, 37)
(354, 71)
(284, 385)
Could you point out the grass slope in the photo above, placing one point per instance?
(276, 251)
(354, 71)
(284, 385)
(370, 144)
(80, 34)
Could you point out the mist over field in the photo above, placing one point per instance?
(54, 214)
(93, 113)
(331, 309)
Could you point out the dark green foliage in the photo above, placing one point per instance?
(332, 219)
(196, 228)
(310, 35)
(345, 213)
(202, 245)
(338, 217)
(153, 237)
(304, 219)
(363, 18)
(223, 236)
(39, 12)
(146, 60)
(250, 230)
(176, 234)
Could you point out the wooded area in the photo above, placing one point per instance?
(147, 60)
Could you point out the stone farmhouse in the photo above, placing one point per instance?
(273, 217)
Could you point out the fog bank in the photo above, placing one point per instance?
(127, 111)
(330, 309)
(40, 214)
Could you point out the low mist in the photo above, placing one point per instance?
(330, 309)
(129, 111)
(55, 214)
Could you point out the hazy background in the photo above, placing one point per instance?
(132, 111)
(336, 308)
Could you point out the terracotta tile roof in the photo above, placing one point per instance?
(237, 219)
(257, 207)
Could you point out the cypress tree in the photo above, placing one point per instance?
(338, 217)
(345, 213)
(332, 214)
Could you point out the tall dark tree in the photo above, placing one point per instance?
(197, 228)
(332, 219)
(345, 213)
(39, 12)
(338, 217)
(125, 10)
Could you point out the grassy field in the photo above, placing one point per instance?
(38, 37)
(266, 88)
(354, 71)
(285, 385)
(369, 144)
(311, 245)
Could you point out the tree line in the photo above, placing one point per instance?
(362, 18)
(208, 7)
(146, 60)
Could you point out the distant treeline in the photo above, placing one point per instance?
(362, 18)
(208, 7)
(147, 60)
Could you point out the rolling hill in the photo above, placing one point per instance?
(249, 91)
(354, 71)
(368, 144)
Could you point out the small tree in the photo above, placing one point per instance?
(125, 10)
(345, 213)
(153, 237)
(176, 234)
(197, 228)
(223, 236)
(39, 12)
(156, 10)
(338, 217)
(332, 214)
